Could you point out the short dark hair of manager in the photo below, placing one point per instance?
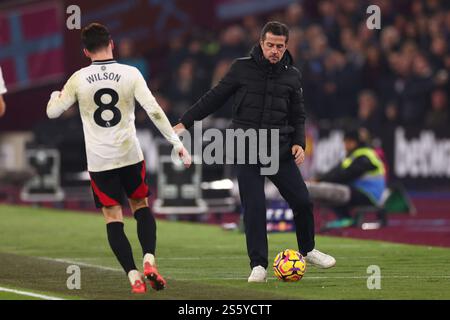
(95, 36)
(276, 28)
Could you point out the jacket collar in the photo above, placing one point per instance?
(257, 54)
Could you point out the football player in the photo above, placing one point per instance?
(106, 91)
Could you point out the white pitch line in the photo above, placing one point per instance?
(30, 294)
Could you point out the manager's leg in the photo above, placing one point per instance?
(293, 189)
(290, 183)
(253, 201)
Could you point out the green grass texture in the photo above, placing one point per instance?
(202, 262)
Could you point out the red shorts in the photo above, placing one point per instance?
(109, 186)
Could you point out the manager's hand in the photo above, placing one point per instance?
(179, 128)
(298, 153)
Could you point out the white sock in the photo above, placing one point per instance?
(148, 257)
(133, 276)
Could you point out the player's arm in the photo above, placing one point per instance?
(3, 90)
(60, 101)
(2, 105)
(146, 99)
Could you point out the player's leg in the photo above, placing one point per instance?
(146, 225)
(117, 238)
(121, 247)
(134, 181)
(107, 195)
(146, 230)
(253, 202)
(289, 182)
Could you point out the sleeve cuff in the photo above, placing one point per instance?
(187, 121)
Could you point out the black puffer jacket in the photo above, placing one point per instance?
(266, 96)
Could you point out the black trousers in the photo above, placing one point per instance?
(289, 182)
(357, 198)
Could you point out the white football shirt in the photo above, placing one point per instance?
(106, 92)
(2, 83)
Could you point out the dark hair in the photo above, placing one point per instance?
(95, 36)
(352, 134)
(276, 28)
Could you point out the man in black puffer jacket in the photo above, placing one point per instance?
(267, 95)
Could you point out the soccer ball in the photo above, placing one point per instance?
(289, 265)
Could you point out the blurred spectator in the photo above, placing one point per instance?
(438, 50)
(352, 9)
(365, 35)
(417, 8)
(327, 10)
(296, 38)
(177, 53)
(390, 39)
(438, 116)
(409, 88)
(184, 88)
(391, 117)
(219, 72)
(373, 69)
(352, 47)
(368, 113)
(252, 28)
(233, 43)
(203, 64)
(127, 55)
(401, 64)
(295, 15)
(340, 86)
(415, 94)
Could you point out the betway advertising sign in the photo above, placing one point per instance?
(421, 154)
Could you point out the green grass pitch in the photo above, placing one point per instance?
(200, 262)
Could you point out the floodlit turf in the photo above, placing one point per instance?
(14, 296)
(201, 262)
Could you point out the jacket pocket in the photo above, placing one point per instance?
(239, 98)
